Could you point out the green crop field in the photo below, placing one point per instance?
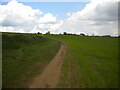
(24, 56)
(90, 62)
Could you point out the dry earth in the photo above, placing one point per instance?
(50, 76)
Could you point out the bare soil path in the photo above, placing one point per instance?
(50, 76)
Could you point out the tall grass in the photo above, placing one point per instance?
(24, 57)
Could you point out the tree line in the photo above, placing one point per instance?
(81, 34)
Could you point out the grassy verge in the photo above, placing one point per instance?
(24, 56)
(90, 62)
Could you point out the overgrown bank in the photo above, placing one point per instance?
(24, 56)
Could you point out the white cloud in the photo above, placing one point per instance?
(97, 17)
(52, 27)
(17, 17)
(47, 18)
(15, 13)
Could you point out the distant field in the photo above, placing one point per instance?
(24, 56)
(90, 62)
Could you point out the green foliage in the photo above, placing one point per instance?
(90, 62)
(24, 56)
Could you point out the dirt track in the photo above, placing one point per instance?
(50, 76)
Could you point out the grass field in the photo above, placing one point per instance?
(24, 56)
(90, 62)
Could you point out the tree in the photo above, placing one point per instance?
(48, 32)
(64, 33)
(39, 33)
(106, 36)
(82, 34)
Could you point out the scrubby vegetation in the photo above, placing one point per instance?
(24, 56)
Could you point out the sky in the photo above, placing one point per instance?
(95, 17)
(58, 9)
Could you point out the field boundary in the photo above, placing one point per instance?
(50, 76)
